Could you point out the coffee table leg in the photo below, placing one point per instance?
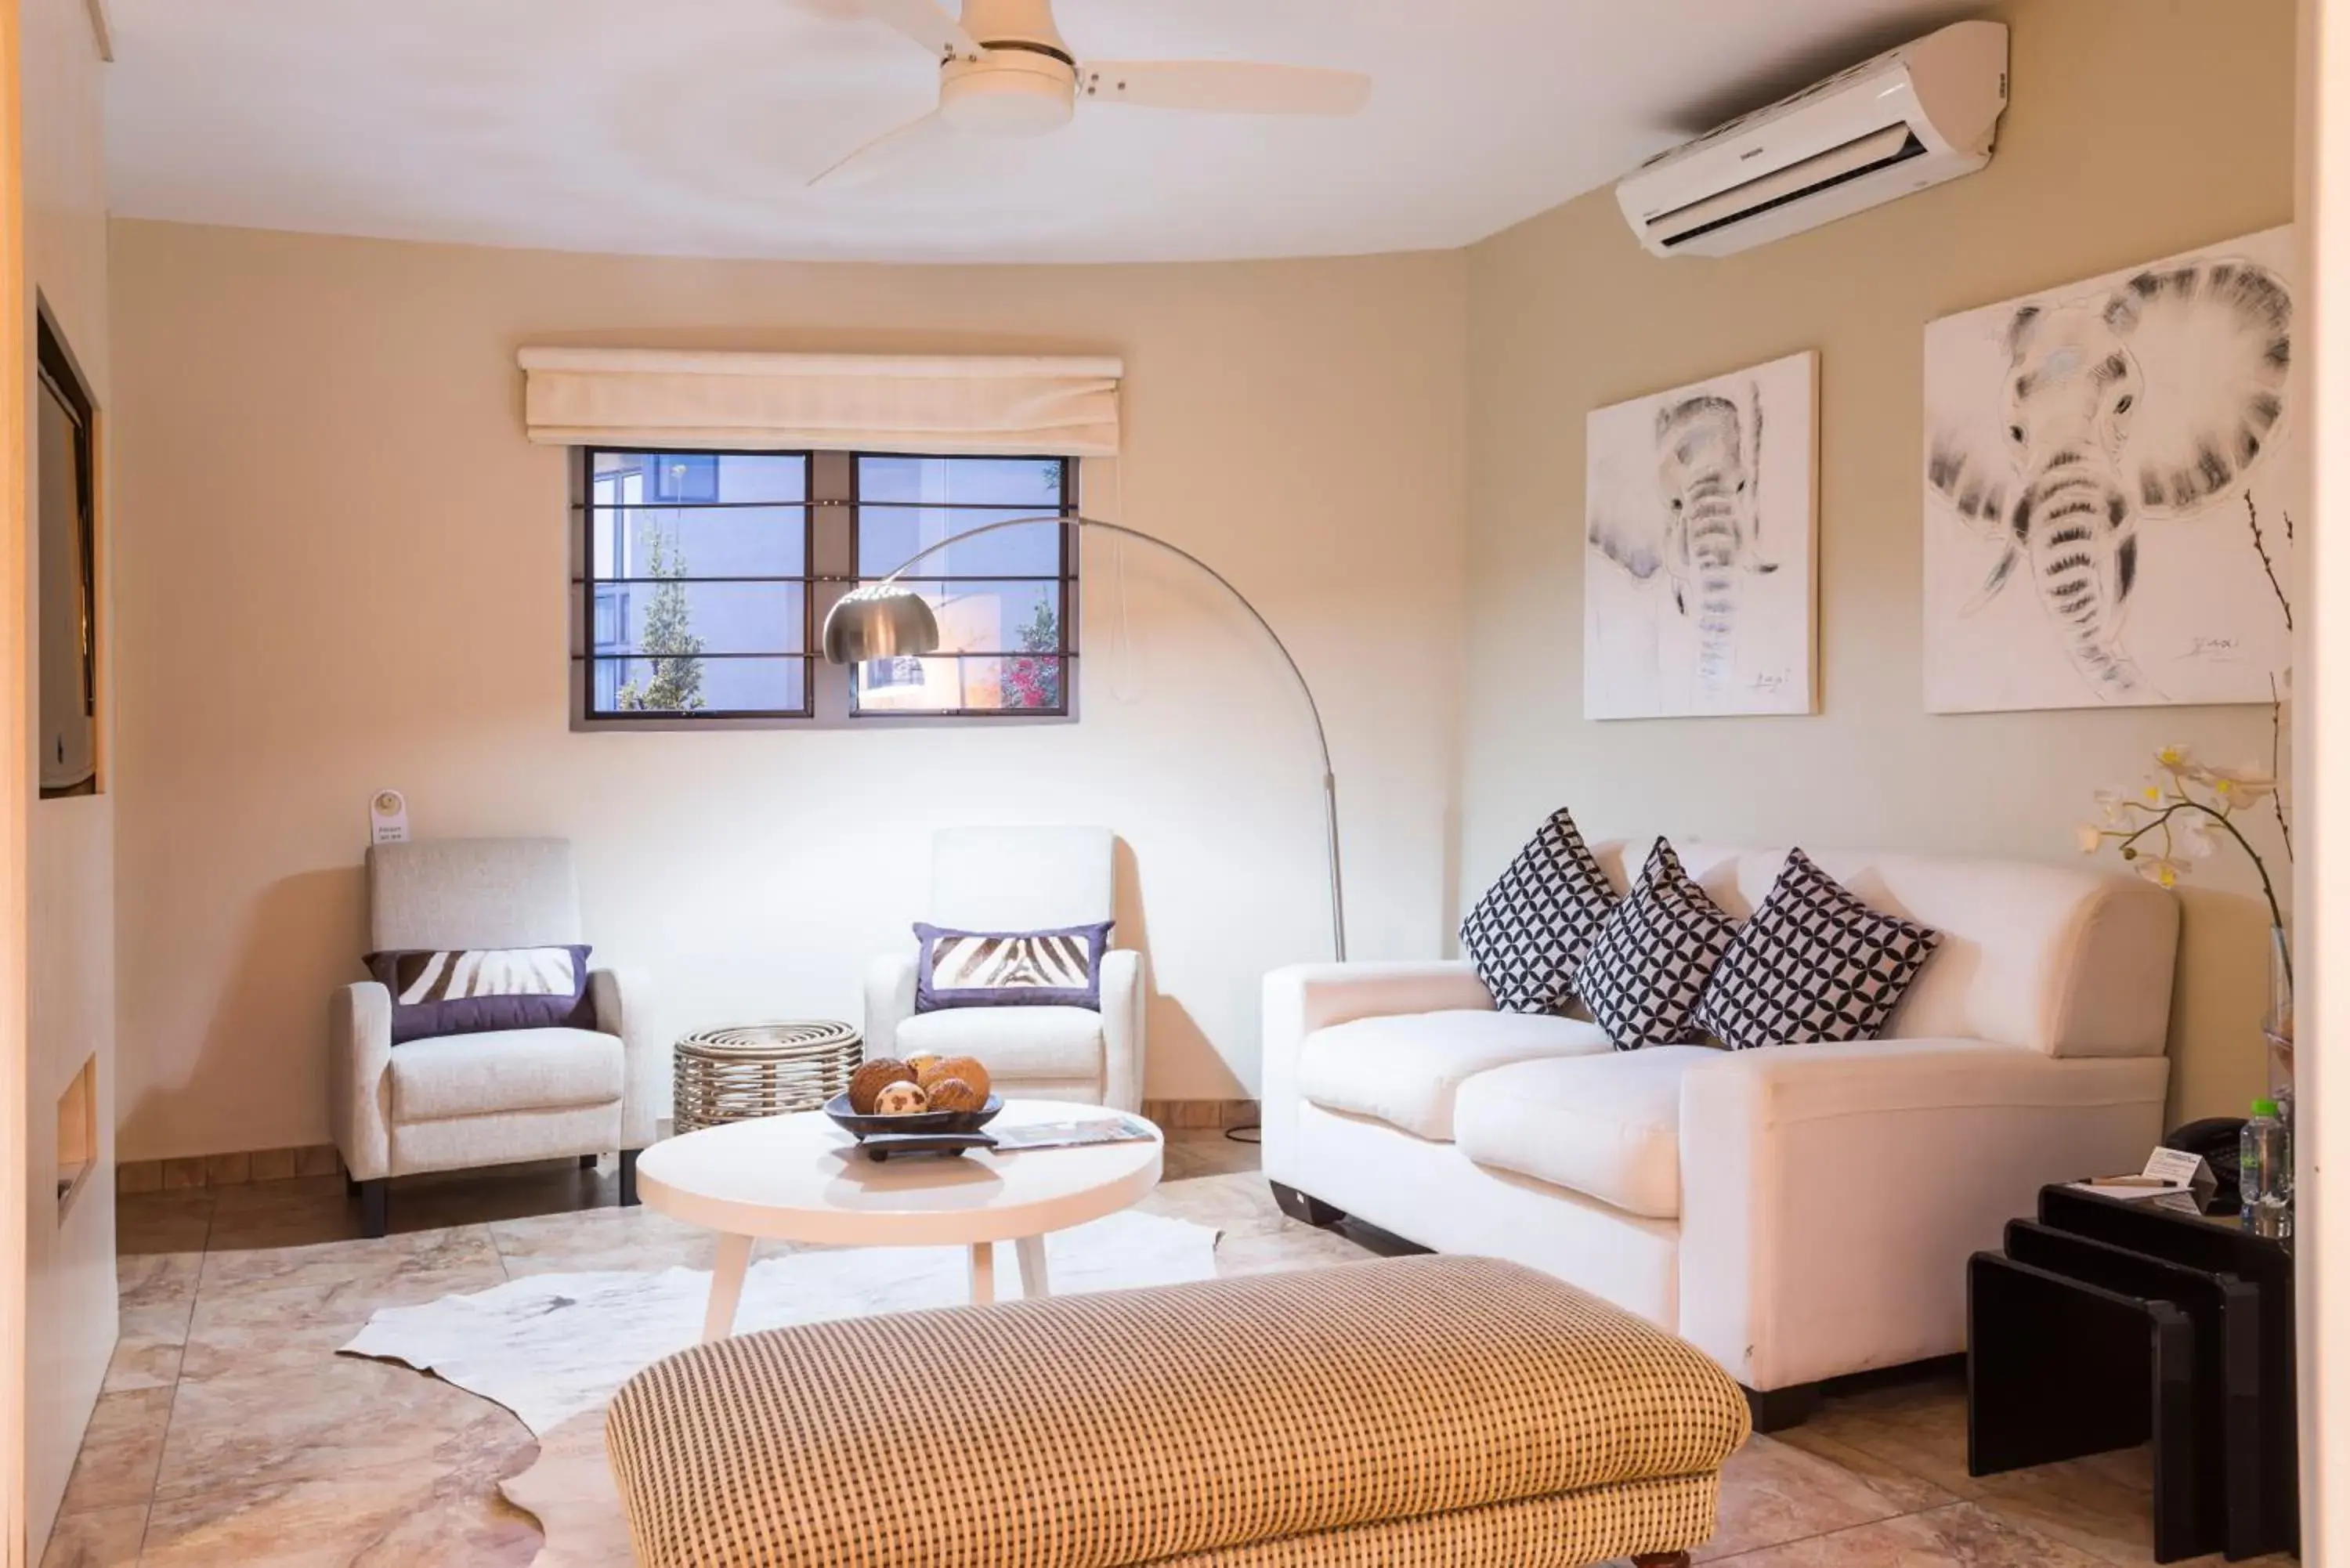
(983, 1272)
(1034, 1282)
(726, 1287)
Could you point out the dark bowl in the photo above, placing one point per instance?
(919, 1122)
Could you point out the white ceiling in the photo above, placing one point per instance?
(689, 127)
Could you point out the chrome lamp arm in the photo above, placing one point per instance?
(888, 619)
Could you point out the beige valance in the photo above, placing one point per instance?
(667, 398)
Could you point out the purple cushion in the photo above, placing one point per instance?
(1010, 969)
(480, 991)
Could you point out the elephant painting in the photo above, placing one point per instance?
(2094, 445)
(1679, 512)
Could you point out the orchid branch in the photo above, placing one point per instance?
(2160, 820)
(2165, 824)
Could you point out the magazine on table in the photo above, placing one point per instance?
(1072, 1135)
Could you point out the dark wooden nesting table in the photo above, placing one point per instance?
(2106, 1323)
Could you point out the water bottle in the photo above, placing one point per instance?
(2264, 1162)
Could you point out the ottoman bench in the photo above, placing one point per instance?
(1454, 1411)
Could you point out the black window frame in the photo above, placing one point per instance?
(830, 510)
(585, 713)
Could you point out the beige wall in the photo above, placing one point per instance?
(2136, 130)
(71, 1294)
(342, 567)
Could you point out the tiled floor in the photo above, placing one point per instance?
(230, 1433)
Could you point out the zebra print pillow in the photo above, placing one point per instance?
(479, 990)
(1010, 969)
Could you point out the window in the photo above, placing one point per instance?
(705, 577)
(697, 585)
(1001, 598)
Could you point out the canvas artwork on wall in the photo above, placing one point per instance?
(2112, 488)
(1698, 574)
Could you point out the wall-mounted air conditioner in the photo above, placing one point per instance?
(1912, 117)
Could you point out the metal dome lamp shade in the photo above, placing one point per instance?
(889, 620)
(883, 621)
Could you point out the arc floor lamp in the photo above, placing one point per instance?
(889, 620)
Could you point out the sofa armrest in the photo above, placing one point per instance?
(1306, 997)
(358, 1078)
(888, 1001)
(1831, 1194)
(1123, 1000)
(624, 1006)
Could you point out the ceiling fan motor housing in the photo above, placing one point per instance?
(1024, 82)
(1008, 92)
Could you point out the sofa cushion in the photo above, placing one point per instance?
(1607, 1127)
(1529, 932)
(1814, 964)
(513, 1070)
(1014, 1041)
(1404, 1068)
(1651, 962)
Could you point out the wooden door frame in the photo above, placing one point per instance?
(15, 785)
(2321, 777)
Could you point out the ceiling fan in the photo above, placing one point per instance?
(1005, 70)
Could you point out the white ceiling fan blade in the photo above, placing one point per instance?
(925, 22)
(1225, 87)
(883, 154)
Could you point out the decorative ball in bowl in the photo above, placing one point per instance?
(919, 1095)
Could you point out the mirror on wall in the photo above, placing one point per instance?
(67, 451)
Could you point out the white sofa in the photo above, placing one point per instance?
(1021, 879)
(1798, 1212)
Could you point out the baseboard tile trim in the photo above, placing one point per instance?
(1200, 1116)
(135, 1175)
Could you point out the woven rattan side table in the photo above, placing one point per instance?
(747, 1069)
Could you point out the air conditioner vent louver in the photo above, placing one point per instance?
(1895, 144)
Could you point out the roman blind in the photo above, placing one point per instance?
(952, 405)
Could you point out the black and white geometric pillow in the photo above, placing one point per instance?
(1815, 963)
(1529, 932)
(1651, 962)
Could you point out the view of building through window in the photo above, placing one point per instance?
(699, 571)
(708, 573)
(999, 596)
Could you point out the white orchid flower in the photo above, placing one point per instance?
(2090, 836)
(2191, 837)
(2179, 761)
(2246, 786)
(2114, 807)
(2160, 869)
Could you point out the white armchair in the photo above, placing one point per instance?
(1021, 879)
(489, 1098)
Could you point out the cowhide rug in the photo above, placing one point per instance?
(554, 1348)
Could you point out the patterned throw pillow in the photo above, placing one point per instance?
(1815, 963)
(478, 990)
(1529, 932)
(1010, 969)
(1649, 964)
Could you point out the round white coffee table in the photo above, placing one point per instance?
(799, 1178)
